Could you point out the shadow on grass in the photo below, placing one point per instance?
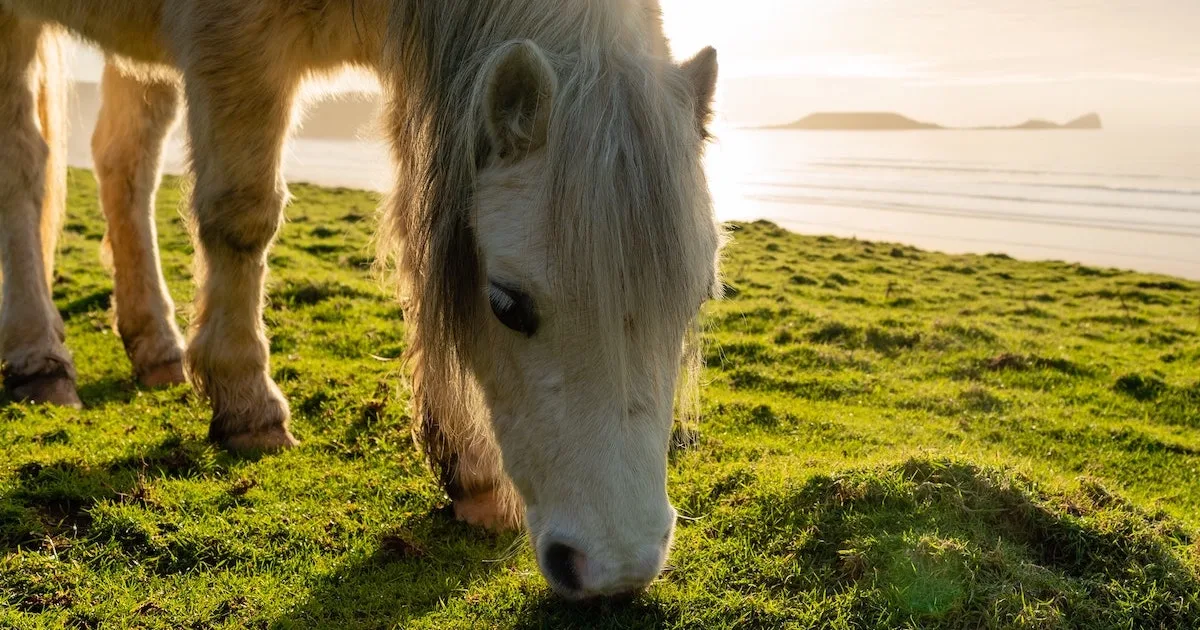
(51, 502)
(107, 391)
(413, 571)
(95, 394)
(956, 545)
(549, 611)
(97, 301)
(416, 571)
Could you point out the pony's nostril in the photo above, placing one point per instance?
(561, 565)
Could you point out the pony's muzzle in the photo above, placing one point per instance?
(563, 565)
(577, 575)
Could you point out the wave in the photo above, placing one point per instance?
(1013, 171)
(1117, 189)
(955, 238)
(1113, 225)
(984, 166)
(962, 195)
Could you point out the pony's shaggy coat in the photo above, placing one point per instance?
(553, 143)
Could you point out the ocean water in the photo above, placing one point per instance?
(1120, 198)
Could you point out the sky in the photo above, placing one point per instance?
(956, 62)
(1136, 62)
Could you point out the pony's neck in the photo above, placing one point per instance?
(367, 28)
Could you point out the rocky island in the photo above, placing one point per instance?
(890, 121)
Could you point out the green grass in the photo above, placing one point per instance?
(892, 438)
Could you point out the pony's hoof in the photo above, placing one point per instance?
(163, 375)
(487, 511)
(56, 388)
(264, 429)
(268, 440)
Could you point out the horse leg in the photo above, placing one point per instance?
(135, 118)
(36, 364)
(238, 127)
(463, 453)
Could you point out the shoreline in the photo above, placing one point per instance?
(1158, 266)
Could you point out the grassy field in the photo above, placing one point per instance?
(892, 438)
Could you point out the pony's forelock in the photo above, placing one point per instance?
(624, 195)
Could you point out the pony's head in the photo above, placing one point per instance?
(598, 247)
(568, 287)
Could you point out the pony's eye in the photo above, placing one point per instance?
(513, 308)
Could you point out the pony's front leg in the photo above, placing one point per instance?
(238, 126)
(135, 119)
(463, 453)
(36, 365)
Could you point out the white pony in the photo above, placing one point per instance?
(551, 227)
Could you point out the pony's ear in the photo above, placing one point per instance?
(518, 93)
(701, 72)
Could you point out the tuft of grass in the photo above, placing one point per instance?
(1141, 388)
(937, 442)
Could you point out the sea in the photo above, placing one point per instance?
(1125, 198)
(1115, 198)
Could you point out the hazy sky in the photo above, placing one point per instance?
(1136, 62)
(957, 61)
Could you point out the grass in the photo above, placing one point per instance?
(892, 438)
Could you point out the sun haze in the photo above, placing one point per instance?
(960, 62)
(954, 61)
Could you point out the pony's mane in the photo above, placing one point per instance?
(622, 152)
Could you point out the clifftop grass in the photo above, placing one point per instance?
(892, 438)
